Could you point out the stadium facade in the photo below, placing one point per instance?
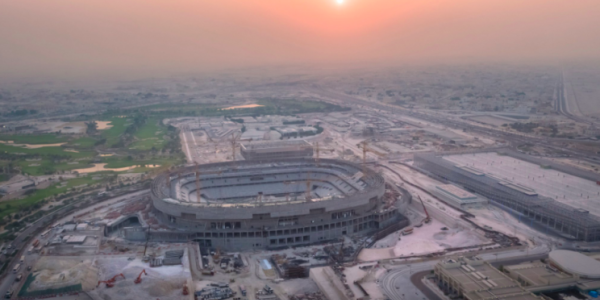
(265, 204)
(552, 216)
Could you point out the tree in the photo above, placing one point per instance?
(92, 127)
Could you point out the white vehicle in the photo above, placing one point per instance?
(22, 259)
(16, 268)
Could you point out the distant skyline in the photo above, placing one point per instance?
(141, 38)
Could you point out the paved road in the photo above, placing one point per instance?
(9, 283)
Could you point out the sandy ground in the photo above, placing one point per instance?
(102, 125)
(56, 272)
(28, 146)
(165, 282)
(100, 167)
(427, 239)
(243, 106)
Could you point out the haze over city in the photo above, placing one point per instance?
(300, 149)
(71, 38)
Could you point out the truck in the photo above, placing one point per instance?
(243, 290)
(16, 268)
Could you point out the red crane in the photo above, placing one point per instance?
(139, 278)
(428, 218)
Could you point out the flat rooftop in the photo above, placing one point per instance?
(577, 192)
(480, 280)
(456, 192)
(576, 263)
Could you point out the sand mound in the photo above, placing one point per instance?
(57, 272)
(160, 288)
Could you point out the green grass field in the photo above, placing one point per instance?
(44, 151)
(46, 166)
(82, 143)
(112, 134)
(150, 135)
(12, 206)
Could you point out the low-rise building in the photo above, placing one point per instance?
(471, 278)
(457, 197)
(276, 150)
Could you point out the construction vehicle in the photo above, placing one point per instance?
(427, 218)
(217, 256)
(185, 291)
(111, 282)
(139, 278)
(208, 272)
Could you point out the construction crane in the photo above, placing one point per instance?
(139, 278)
(233, 140)
(427, 218)
(308, 187)
(197, 182)
(318, 149)
(364, 145)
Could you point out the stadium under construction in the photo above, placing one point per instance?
(268, 204)
(569, 219)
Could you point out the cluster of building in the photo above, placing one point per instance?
(471, 278)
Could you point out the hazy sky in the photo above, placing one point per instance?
(153, 37)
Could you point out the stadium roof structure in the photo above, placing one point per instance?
(576, 263)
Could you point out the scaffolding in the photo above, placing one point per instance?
(558, 218)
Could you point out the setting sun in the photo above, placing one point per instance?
(340, 2)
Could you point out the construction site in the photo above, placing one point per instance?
(318, 218)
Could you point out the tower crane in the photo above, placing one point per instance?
(318, 149)
(308, 187)
(233, 140)
(364, 145)
(197, 182)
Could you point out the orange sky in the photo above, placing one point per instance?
(75, 37)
